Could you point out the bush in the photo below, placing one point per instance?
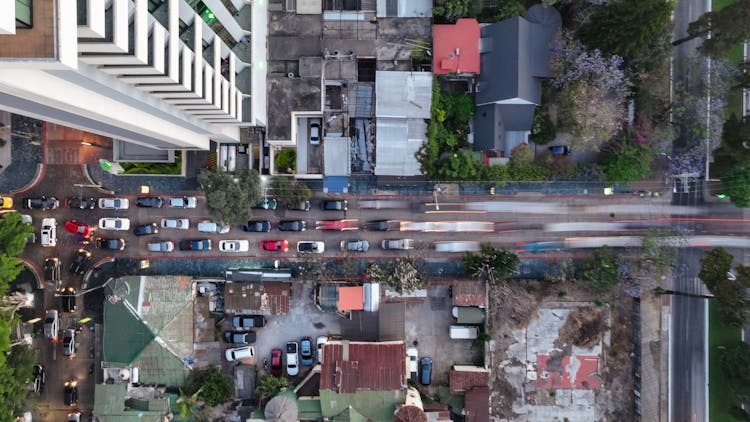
(286, 161)
(543, 131)
(174, 168)
(625, 160)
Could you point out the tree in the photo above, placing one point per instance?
(286, 161)
(728, 28)
(600, 270)
(736, 184)
(187, 404)
(490, 264)
(213, 387)
(735, 145)
(14, 375)
(10, 268)
(405, 275)
(626, 160)
(452, 10)
(230, 195)
(13, 234)
(735, 364)
(288, 192)
(268, 387)
(731, 295)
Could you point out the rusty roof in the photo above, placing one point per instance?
(463, 380)
(273, 297)
(477, 404)
(351, 298)
(468, 293)
(349, 367)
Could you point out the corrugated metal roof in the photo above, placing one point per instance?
(461, 381)
(471, 315)
(351, 298)
(349, 367)
(273, 297)
(468, 293)
(395, 150)
(477, 405)
(403, 94)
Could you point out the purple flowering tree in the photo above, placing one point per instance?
(692, 161)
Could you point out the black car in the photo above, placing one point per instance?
(68, 297)
(301, 206)
(335, 205)
(146, 229)
(195, 245)
(257, 226)
(42, 203)
(52, 270)
(292, 225)
(149, 202)
(243, 322)
(382, 225)
(81, 203)
(239, 337)
(111, 244)
(40, 377)
(80, 262)
(71, 393)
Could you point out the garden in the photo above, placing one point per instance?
(172, 169)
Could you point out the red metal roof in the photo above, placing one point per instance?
(468, 293)
(351, 298)
(456, 47)
(461, 381)
(477, 405)
(351, 366)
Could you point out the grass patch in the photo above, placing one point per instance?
(720, 397)
(720, 4)
(174, 168)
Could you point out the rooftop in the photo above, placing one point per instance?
(456, 47)
(477, 405)
(351, 298)
(468, 293)
(270, 297)
(111, 404)
(465, 377)
(349, 367)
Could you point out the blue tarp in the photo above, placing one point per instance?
(336, 184)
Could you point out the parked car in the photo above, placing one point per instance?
(42, 203)
(425, 371)
(292, 225)
(75, 227)
(382, 225)
(319, 343)
(149, 202)
(337, 225)
(315, 134)
(80, 262)
(310, 246)
(277, 367)
(114, 203)
(301, 206)
(306, 351)
(354, 245)
(175, 223)
(70, 393)
(162, 246)
(239, 337)
(49, 232)
(412, 354)
(239, 353)
(51, 324)
(245, 322)
(112, 244)
(207, 288)
(6, 202)
(560, 150)
(68, 298)
(335, 205)
(234, 245)
(80, 203)
(292, 359)
(114, 223)
(207, 226)
(274, 245)
(52, 271)
(183, 202)
(402, 244)
(146, 229)
(40, 377)
(195, 245)
(263, 226)
(74, 416)
(69, 343)
(267, 204)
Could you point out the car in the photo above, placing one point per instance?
(292, 359)
(301, 206)
(245, 322)
(113, 244)
(306, 351)
(311, 246)
(51, 324)
(257, 226)
(195, 245)
(274, 245)
(114, 223)
(292, 225)
(80, 203)
(114, 203)
(354, 245)
(68, 298)
(76, 227)
(319, 343)
(239, 353)
(239, 337)
(560, 150)
(382, 225)
(49, 232)
(70, 393)
(6, 202)
(146, 229)
(40, 378)
(80, 262)
(413, 355)
(267, 204)
(207, 288)
(175, 223)
(425, 371)
(74, 416)
(162, 246)
(207, 226)
(149, 202)
(52, 271)
(183, 202)
(69, 343)
(315, 134)
(234, 245)
(276, 366)
(42, 203)
(403, 244)
(335, 205)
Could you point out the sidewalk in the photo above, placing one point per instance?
(20, 159)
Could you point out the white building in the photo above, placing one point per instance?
(159, 73)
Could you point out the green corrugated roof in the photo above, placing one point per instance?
(157, 365)
(349, 415)
(309, 409)
(109, 406)
(374, 405)
(469, 315)
(125, 336)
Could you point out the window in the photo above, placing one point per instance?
(154, 4)
(24, 16)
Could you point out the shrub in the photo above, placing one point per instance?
(286, 161)
(543, 131)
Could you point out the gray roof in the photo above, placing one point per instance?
(493, 122)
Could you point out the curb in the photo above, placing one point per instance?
(96, 265)
(88, 177)
(35, 270)
(35, 181)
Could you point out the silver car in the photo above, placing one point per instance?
(51, 324)
(165, 246)
(114, 203)
(175, 223)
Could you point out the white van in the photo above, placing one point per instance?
(240, 353)
(49, 232)
(463, 332)
(207, 226)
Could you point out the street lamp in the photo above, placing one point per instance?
(435, 191)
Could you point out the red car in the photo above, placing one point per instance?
(78, 228)
(337, 225)
(275, 245)
(276, 365)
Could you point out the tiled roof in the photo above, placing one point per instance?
(272, 297)
(349, 367)
(477, 405)
(461, 381)
(351, 298)
(468, 293)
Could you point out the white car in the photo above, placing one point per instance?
(411, 352)
(319, 342)
(207, 226)
(114, 223)
(234, 245)
(175, 223)
(49, 232)
(114, 203)
(292, 358)
(239, 353)
(311, 246)
(183, 202)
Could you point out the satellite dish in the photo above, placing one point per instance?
(124, 374)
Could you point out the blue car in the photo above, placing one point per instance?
(425, 370)
(306, 351)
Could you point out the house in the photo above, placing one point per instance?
(468, 293)
(342, 298)
(118, 403)
(456, 47)
(257, 298)
(472, 381)
(515, 56)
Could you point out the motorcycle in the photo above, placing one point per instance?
(265, 364)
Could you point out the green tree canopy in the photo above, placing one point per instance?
(230, 195)
(212, 385)
(731, 295)
(403, 274)
(625, 160)
(14, 376)
(13, 234)
(736, 184)
(268, 387)
(735, 364)
(490, 263)
(728, 28)
(452, 10)
(600, 270)
(289, 192)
